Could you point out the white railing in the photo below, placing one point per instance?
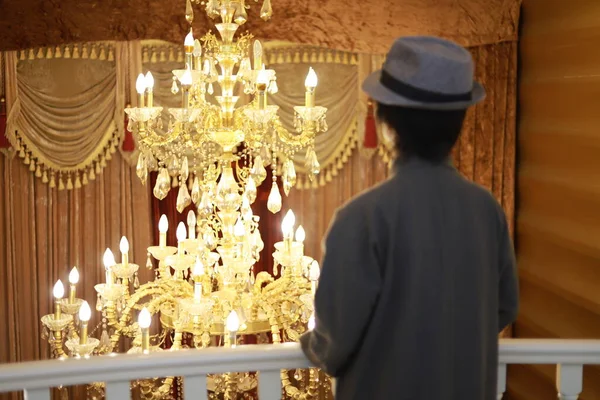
(36, 378)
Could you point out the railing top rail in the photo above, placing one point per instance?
(126, 367)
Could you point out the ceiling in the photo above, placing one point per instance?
(364, 26)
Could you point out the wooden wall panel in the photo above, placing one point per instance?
(558, 185)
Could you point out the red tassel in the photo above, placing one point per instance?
(370, 139)
(4, 143)
(128, 142)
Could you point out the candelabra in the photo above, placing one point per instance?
(205, 292)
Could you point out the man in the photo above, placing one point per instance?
(419, 273)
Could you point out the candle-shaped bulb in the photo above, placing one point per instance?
(198, 267)
(186, 79)
(258, 55)
(197, 48)
(233, 322)
(311, 322)
(314, 271)
(85, 313)
(191, 219)
(311, 79)
(59, 290)
(181, 232)
(300, 234)
(140, 84)
(149, 79)
(74, 276)
(287, 225)
(144, 319)
(238, 229)
(262, 78)
(189, 41)
(108, 259)
(163, 224)
(124, 245)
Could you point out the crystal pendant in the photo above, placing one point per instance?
(228, 196)
(241, 16)
(136, 282)
(99, 303)
(183, 198)
(273, 88)
(213, 70)
(289, 176)
(141, 169)
(258, 242)
(196, 194)
(265, 154)
(312, 163)
(104, 339)
(274, 200)
(151, 162)
(245, 209)
(258, 171)
(163, 184)
(210, 239)
(205, 207)
(184, 172)
(189, 12)
(245, 67)
(266, 11)
(149, 262)
(250, 191)
(174, 86)
(210, 90)
(173, 166)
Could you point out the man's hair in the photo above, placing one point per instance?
(426, 134)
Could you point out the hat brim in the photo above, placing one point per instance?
(373, 87)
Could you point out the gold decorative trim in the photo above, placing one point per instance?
(156, 51)
(286, 54)
(103, 51)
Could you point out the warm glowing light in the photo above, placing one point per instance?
(198, 267)
(140, 84)
(74, 276)
(239, 230)
(311, 79)
(287, 225)
(300, 234)
(314, 272)
(59, 290)
(197, 48)
(124, 245)
(311, 322)
(181, 232)
(263, 77)
(144, 319)
(189, 39)
(163, 224)
(85, 313)
(233, 322)
(191, 219)
(108, 259)
(149, 80)
(186, 79)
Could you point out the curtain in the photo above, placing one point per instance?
(46, 232)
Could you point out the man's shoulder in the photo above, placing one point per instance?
(368, 200)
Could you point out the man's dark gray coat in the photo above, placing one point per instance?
(418, 279)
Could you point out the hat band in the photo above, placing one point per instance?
(417, 94)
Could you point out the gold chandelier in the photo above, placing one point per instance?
(205, 292)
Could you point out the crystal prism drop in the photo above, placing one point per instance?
(290, 171)
(210, 240)
(136, 282)
(151, 162)
(258, 171)
(241, 16)
(99, 303)
(189, 12)
(210, 90)
(183, 198)
(312, 162)
(184, 172)
(273, 88)
(104, 339)
(266, 11)
(141, 169)
(149, 262)
(275, 270)
(174, 86)
(205, 207)
(245, 209)
(265, 154)
(250, 190)
(228, 196)
(196, 194)
(173, 165)
(287, 186)
(274, 200)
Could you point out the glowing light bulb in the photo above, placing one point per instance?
(108, 259)
(124, 245)
(311, 79)
(149, 80)
(263, 77)
(197, 48)
(258, 55)
(181, 232)
(239, 230)
(233, 322)
(144, 319)
(163, 224)
(189, 40)
(198, 267)
(74, 276)
(59, 290)
(314, 272)
(311, 322)
(140, 84)
(186, 79)
(300, 234)
(85, 313)
(191, 218)
(287, 225)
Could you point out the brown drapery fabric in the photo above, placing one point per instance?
(45, 232)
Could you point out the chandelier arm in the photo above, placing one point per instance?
(303, 139)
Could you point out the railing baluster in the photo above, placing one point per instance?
(194, 387)
(569, 381)
(501, 380)
(118, 390)
(37, 394)
(269, 385)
